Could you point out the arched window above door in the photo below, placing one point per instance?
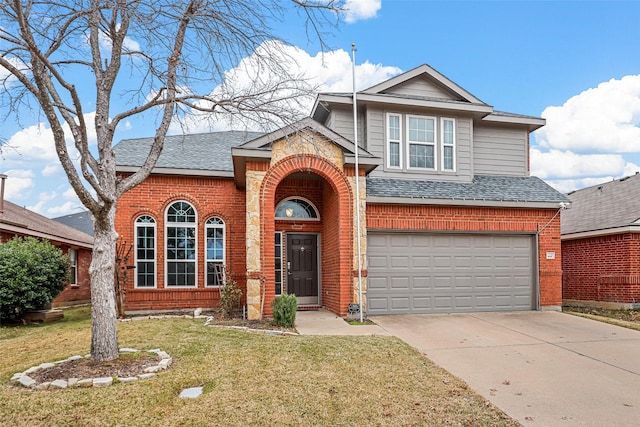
(297, 208)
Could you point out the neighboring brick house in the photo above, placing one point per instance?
(19, 221)
(450, 219)
(601, 245)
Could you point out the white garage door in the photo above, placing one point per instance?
(447, 273)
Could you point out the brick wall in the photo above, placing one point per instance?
(210, 197)
(483, 219)
(603, 268)
(80, 293)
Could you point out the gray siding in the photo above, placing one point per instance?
(422, 87)
(500, 150)
(341, 121)
(376, 139)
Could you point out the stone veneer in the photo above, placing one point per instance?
(305, 144)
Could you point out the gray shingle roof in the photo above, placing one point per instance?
(609, 205)
(82, 221)
(489, 188)
(203, 151)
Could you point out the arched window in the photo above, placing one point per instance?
(145, 252)
(215, 251)
(297, 208)
(181, 245)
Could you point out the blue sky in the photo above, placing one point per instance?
(575, 63)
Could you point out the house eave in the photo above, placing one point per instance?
(462, 202)
(599, 233)
(532, 123)
(178, 171)
(5, 226)
(480, 109)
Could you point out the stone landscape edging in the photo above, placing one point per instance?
(24, 379)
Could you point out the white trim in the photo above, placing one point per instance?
(598, 233)
(283, 269)
(153, 225)
(223, 261)
(167, 225)
(297, 219)
(433, 144)
(443, 145)
(73, 263)
(389, 141)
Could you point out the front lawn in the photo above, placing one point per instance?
(248, 379)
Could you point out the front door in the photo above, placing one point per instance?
(302, 267)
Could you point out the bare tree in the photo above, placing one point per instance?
(162, 58)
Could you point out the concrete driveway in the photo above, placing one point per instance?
(541, 368)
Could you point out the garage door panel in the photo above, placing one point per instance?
(440, 273)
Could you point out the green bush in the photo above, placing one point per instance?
(230, 296)
(284, 310)
(32, 273)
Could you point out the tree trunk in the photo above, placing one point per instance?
(104, 331)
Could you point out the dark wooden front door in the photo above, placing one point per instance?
(302, 267)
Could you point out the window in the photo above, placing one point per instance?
(296, 208)
(181, 245)
(279, 269)
(421, 139)
(448, 145)
(145, 252)
(214, 254)
(394, 141)
(73, 264)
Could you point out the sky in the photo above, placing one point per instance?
(574, 63)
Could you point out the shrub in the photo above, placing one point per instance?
(284, 310)
(230, 296)
(32, 273)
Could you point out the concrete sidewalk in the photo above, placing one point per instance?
(323, 322)
(541, 368)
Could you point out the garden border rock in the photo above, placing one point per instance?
(24, 379)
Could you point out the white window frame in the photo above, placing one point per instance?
(221, 225)
(433, 144)
(168, 225)
(398, 141)
(155, 250)
(443, 145)
(280, 255)
(73, 266)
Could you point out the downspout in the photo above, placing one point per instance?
(357, 149)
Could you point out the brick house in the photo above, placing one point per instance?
(450, 219)
(601, 245)
(19, 221)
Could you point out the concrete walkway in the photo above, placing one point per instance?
(323, 322)
(541, 368)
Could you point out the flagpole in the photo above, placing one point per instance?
(357, 149)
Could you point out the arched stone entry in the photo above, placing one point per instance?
(321, 169)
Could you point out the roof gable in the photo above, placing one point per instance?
(424, 82)
(603, 207)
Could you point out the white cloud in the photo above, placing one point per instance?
(591, 138)
(356, 10)
(605, 119)
(329, 72)
(66, 208)
(556, 164)
(51, 170)
(19, 185)
(70, 194)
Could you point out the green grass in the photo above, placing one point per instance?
(248, 379)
